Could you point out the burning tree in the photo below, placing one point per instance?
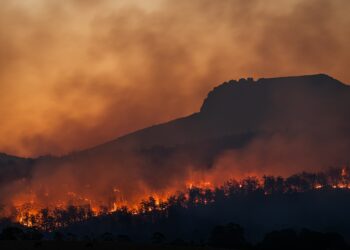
(153, 208)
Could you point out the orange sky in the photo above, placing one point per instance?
(77, 73)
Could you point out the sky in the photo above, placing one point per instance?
(77, 73)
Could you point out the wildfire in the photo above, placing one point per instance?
(200, 184)
(25, 217)
(343, 172)
(30, 211)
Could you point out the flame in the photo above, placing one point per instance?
(200, 184)
(31, 209)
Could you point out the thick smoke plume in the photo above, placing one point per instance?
(74, 74)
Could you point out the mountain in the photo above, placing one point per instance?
(281, 124)
(245, 106)
(237, 112)
(13, 167)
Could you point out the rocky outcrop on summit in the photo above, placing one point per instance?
(286, 104)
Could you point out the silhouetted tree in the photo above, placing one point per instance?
(334, 175)
(194, 196)
(269, 184)
(148, 205)
(250, 184)
(273, 184)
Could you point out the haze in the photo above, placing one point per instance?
(74, 74)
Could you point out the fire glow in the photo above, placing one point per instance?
(29, 211)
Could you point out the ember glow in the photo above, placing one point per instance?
(31, 212)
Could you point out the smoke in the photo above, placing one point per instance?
(78, 73)
(74, 74)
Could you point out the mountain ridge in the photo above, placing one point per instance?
(234, 116)
(315, 80)
(232, 86)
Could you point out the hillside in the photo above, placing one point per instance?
(238, 107)
(269, 126)
(237, 112)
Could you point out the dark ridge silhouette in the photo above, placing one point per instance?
(234, 116)
(8, 160)
(13, 167)
(237, 114)
(236, 107)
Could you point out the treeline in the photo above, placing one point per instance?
(151, 210)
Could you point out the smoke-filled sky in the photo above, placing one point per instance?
(76, 73)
